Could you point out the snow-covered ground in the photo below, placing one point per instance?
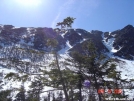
(109, 44)
(65, 49)
(125, 66)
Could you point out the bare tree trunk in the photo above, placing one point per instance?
(72, 94)
(61, 77)
(96, 86)
(80, 85)
(80, 95)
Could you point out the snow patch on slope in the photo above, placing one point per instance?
(65, 49)
(64, 34)
(15, 85)
(127, 68)
(79, 34)
(109, 44)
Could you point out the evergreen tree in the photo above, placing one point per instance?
(53, 43)
(21, 95)
(4, 95)
(78, 63)
(94, 67)
(64, 25)
(36, 89)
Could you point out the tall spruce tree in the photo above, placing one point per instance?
(4, 95)
(52, 43)
(95, 67)
(21, 95)
(64, 25)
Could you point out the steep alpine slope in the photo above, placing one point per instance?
(121, 41)
(22, 50)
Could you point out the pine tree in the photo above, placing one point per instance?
(53, 43)
(36, 88)
(92, 66)
(53, 97)
(78, 63)
(21, 95)
(65, 25)
(4, 95)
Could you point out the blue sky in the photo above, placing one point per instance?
(104, 15)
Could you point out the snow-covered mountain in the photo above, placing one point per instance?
(119, 42)
(28, 46)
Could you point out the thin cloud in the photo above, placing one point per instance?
(76, 9)
(64, 8)
(55, 20)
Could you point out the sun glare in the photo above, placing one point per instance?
(28, 2)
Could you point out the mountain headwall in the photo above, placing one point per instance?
(122, 41)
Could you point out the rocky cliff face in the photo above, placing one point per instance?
(35, 38)
(121, 41)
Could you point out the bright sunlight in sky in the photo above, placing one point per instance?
(28, 3)
(103, 15)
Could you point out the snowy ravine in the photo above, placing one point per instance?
(109, 44)
(65, 49)
(125, 66)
